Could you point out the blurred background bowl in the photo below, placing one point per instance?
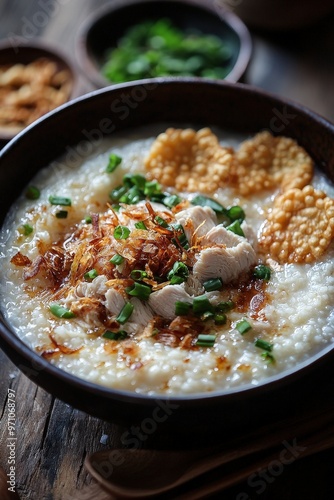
(102, 31)
(11, 55)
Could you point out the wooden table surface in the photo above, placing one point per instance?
(54, 438)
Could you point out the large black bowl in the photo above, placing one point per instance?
(236, 107)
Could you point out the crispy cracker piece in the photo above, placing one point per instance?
(189, 160)
(300, 227)
(265, 162)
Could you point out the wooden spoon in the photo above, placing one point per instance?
(142, 473)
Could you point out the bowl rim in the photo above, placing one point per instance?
(122, 395)
(47, 49)
(92, 72)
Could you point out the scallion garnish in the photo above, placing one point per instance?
(61, 311)
(88, 219)
(159, 220)
(117, 259)
(220, 319)
(236, 228)
(140, 225)
(121, 232)
(263, 344)
(267, 356)
(132, 196)
(26, 229)
(213, 284)
(206, 340)
(114, 161)
(204, 201)
(172, 201)
(120, 335)
(60, 200)
(32, 193)
(178, 274)
(125, 313)
(62, 214)
(262, 272)
(139, 290)
(243, 326)
(235, 213)
(182, 308)
(152, 188)
(138, 275)
(90, 275)
(207, 315)
(180, 236)
(201, 304)
(225, 306)
(137, 180)
(117, 193)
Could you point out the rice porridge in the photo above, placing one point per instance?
(177, 264)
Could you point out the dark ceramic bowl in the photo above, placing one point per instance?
(102, 31)
(26, 54)
(121, 108)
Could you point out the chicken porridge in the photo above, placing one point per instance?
(174, 265)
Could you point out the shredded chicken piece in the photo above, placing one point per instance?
(300, 227)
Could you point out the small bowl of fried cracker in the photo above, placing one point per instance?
(34, 79)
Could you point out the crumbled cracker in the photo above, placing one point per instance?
(189, 160)
(300, 227)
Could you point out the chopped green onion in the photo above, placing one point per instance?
(182, 308)
(114, 161)
(90, 275)
(213, 284)
(32, 193)
(172, 201)
(178, 274)
(26, 229)
(132, 196)
(207, 315)
(243, 326)
(61, 312)
(235, 213)
(220, 319)
(262, 272)
(137, 180)
(117, 193)
(140, 225)
(88, 219)
(263, 344)
(267, 356)
(120, 335)
(139, 290)
(117, 259)
(125, 313)
(236, 228)
(121, 232)
(180, 236)
(62, 214)
(159, 220)
(201, 304)
(137, 274)
(60, 200)
(152, 188)
(225, 306)
(204, 201)
(206, 340)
